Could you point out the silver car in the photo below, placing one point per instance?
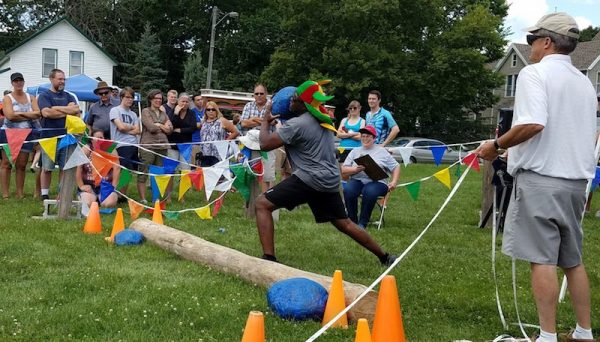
(421, 150)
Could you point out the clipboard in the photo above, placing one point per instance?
(374, 171)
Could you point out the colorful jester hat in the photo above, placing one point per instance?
(313, 96)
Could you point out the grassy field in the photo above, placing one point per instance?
(60, 284)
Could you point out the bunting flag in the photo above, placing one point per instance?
(106, 188)
(169, 165)
(74, 124)
(217, 207)
(157, 170)
(258, 169)
(472, 161)
(171, 215)
(86, 137)
(413, 189)
(185, 183)
(246, 152)
(405, 152)
(162, 182)
(224, 186)
(444, 177)
(458, 171)
(77, 158)
(222, 147)
(186, 151)
(49, 147)
(438, 153)
(264, 155)
(163, 207)
(242, 181)
(211, 177)
(197, 178)
(596, 180)
(124, 178)
(104, 145)
(101, 164)
(66, 141)
(234, 147)
(15, 138)
(8, 155)
(135, 209)
(204, 213)
(341, 150)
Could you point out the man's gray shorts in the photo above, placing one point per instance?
(60, 158)
(543, 220)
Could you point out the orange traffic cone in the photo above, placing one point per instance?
(336, 302)
(93, 224)
(255, 328)
(362, 331)
(118, 225)
(387, 326)
(157, 214)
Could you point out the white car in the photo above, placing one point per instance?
(421, 150)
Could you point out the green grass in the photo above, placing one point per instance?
(60, 284)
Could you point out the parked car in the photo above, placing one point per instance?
(421, 152)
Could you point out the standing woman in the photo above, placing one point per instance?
(156, 127)
(348, 129)
(20, 111)
(214, 128)
(184, 125)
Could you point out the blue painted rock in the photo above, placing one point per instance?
(128, 237)
(281, 102)
(297, 299)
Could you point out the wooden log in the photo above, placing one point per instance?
(249, 268)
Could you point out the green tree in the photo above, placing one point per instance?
(588, 33)
(146, 72)
(194, 73)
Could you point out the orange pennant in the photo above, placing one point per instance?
(15, 138)
(134, 208)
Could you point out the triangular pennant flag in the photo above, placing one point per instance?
(444, 177)
(171, 215)
(103, 145)
(162, 182)
(197, 178)
(49, 147)
(185, 183)
(217, 207)
(135, 208)
(224, 186)
(124, 178)
(258, 169)
(150, 211)
(223, 164)
(242, 181)
(74, 124)
(8, 155)
(15, 138)
(596, 180)
(405, 152)
(458, 171)
(341, 150)
(234, 147)
(264, 155)
(86, 137)
(222, 147)
(77, 158)
(169, 165)
(413, 189)
(66, 141)
(109, 156)
(471, 161)
(157, 170)
(186, 151)
(438, 153)
(211, 177)
(101, 164)
(204, 213)
(246, 152)
(106, 188)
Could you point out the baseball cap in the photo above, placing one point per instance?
(369, 130)
(16, 76)
(559, 22)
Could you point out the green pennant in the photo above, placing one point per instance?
(413, 190)
(171, 215)
(111, 147)
(8, 155)
(86, 137)
(124, 178)
(264, 155)
(458, 172)
(242, 181)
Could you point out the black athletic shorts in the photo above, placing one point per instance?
(325, 206)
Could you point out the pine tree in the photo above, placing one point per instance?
(194, 73)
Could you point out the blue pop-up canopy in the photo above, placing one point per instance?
(81, 85)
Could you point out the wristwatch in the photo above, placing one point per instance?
(499, 149)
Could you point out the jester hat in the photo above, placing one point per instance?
(313, 96)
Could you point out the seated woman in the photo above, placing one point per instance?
(87, 190)
(359, 182)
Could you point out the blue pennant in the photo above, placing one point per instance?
(106, 188)
(186, 151)
(66, 141)
(169, 165)
(438, 153)
(157, 170)
(596, 180)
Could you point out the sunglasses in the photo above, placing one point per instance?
(352, 108)
(532, 38)
(211, 110)
(104, 93)
(128, 97)
(258, 94)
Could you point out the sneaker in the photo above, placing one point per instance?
(45, 197)
(121, 200)
(269, 257)
(387, 259)
(144, 201)
(568, 337)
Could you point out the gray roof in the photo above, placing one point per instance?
(584, 55)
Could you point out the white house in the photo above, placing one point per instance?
(61, 45)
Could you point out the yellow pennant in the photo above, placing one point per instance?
(341, 149)
(185, 183)
(444, 177)
(74, 124)
(204, 213)
(49, 147)
(162, 182)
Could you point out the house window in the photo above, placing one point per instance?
(511, 85)
(514, 60)
(75, 63)
(49, 60)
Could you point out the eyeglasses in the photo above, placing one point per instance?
(352, 108)
(259, 94)
(104, 93)
(532, 38)
(157, 98)
(211, 110)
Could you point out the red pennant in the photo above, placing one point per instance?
(163, 206)
(101, 145)
(15, 138)
(258, 168)
(197, 178)
(472, 161)
(217, 207)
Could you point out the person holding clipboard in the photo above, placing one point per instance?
(367, 167)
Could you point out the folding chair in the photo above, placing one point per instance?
(382, 205)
